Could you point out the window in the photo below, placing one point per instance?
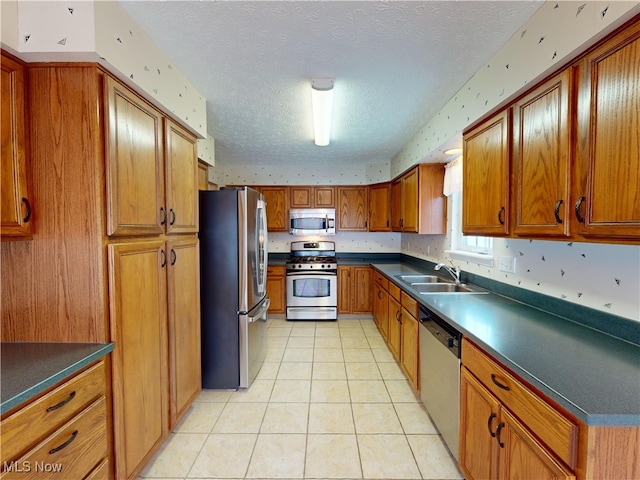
(465, 247)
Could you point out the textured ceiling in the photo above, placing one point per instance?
(395, 64)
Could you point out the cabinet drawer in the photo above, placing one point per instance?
(382, 280)
(73, 451)
(394, 290)
(549, 425)
(276, 271)
(411, 305)
(101, 472)
(50, 411)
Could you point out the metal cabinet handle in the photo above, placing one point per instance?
(174, 257)
(489, 422)
(379, 295)
(65, 444)
(173, 216)
(501, 425)
(164, 258)
(501, 216)
(27, 217)
(556, 211)
(62, 403)
(577, 208)
(164, 216)
(494, 379)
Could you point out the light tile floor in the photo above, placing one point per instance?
(330, 402)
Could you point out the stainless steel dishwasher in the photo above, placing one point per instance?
(440, 375)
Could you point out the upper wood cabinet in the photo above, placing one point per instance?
(277, 199)
(380, 207)
(352, 211)
(15, 201)
(417, 202)
(181, 179)
(485, 191)
(134, 164)
(607, 192)
(312, 197)
(541, 159)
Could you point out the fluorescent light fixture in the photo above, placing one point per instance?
(322, 103)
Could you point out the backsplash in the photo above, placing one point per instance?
(346, 242)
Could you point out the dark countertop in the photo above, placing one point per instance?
(593, 375)
(29, 369)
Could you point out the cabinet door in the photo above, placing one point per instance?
(485, 191)
(394, 338)
(479, 419)
(183, 288)
(410, 204)
(277, 208)
(542, 158)
(410, 347)
(361, 283)
(276, 288)
(352, 208)
(381, 309)
(608, 194)
(203, 175)
(15, 206)
(380, 208)
(344, 288)
(300, 197)
(324, 197)
(134, 164)
(138, 319)
(522, 456)
(396, 206)
(181, 176)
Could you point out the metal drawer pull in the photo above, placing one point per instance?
(498, 430)
(502, 386)
(62, 403)
(65, 444)
(491, 417)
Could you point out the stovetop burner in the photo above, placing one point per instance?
(304, 255)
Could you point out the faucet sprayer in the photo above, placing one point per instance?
(454, 272)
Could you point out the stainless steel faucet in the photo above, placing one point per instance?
(453, 271)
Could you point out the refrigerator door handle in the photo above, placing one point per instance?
(261, 312)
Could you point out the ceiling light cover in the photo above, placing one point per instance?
(322, 103)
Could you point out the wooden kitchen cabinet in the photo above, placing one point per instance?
(181, 177)
(381, 304)
(16, 201)
(277, 199)
(138, 318)
(410, 347)
(276, 288)
(542, 443)
(486, 170)
(352, 210)
(395, 317)
(354, 289)
(183, 288)
(311, 197)
(542, 159)
(607, 189)
(380, 207)
(417, 202)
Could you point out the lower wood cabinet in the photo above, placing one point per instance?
(539, 443)
(62, 434)
(395, 313)
(276, 288)
(410, 347)
(155, 324)
(381, 304)
(354, 289)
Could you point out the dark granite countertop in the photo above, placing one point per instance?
(593, 375)
(29, 369)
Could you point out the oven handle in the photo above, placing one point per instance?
(308, 273)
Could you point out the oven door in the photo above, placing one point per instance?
(312, 289)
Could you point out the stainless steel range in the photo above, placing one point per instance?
(312, 281)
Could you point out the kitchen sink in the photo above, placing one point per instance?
(428, 288)
(420, 279)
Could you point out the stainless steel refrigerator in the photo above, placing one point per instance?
(233, 278)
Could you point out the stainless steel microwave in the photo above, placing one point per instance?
(312, 221)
